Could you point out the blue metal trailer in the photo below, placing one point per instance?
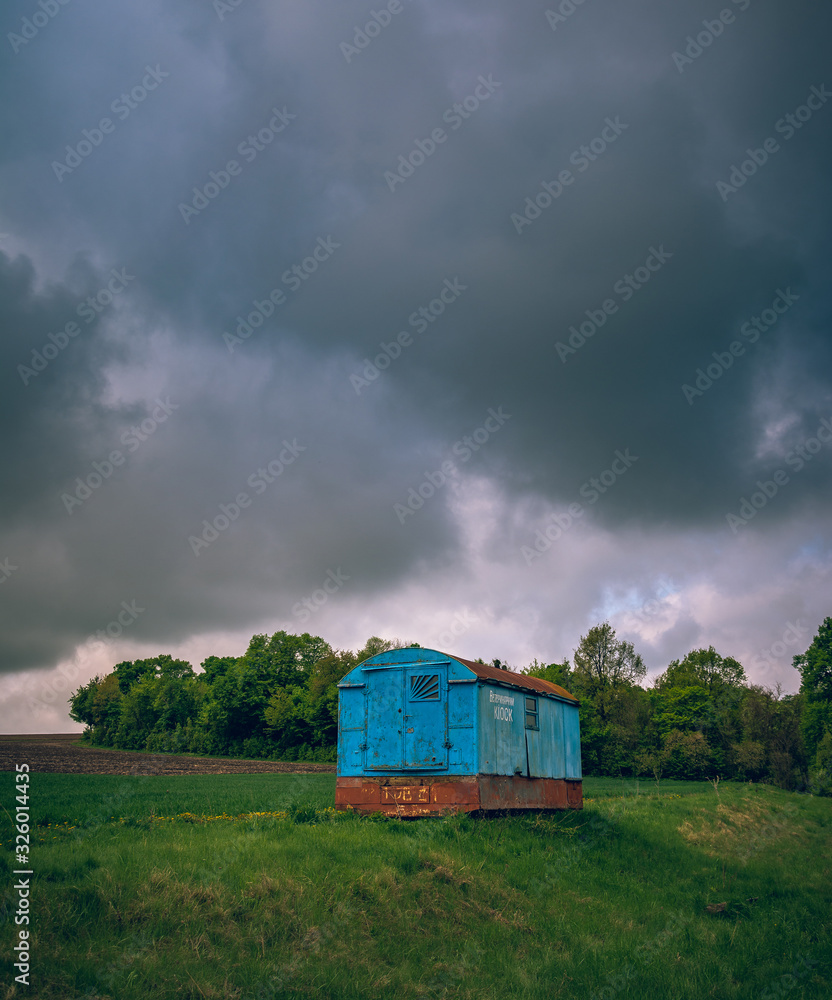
(421, 732)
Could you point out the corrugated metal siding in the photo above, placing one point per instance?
(501, 731)
(412, 710)
(573, 745)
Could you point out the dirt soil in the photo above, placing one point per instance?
(60, 753)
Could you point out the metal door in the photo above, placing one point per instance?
(426, 717)
(384, 719)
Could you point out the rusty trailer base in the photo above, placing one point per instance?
(431, 795)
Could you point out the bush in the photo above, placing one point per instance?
(820, 774)
(686, 755)
(749, 760)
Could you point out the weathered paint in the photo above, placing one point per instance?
(413, 715)
(431, 795)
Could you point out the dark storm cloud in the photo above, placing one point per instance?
(315, 139)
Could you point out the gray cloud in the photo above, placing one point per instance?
(320, 180)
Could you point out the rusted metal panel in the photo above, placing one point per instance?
(498, 675)
(413, 794)
(498, 792)
(354, 791)
(485, 793)
(461, 792)
(407, 796)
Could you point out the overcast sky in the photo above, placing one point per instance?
(265, 267)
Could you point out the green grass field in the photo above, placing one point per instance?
(250, 886)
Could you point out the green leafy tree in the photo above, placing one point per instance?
(602, 660)
(603, 665)
(557, 673)
(270, 663)
(703, 667)
(82, 702)
(680, 708)
(686, 755)
(375, 645)
(130, 672)
(164, 665)
(704, 691)
(749, 758)
(774, 722)
(815, 666)
(106, 710)
(215, 666)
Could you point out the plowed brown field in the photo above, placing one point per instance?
(60, 753)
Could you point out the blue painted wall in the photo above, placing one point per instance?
(419, 711)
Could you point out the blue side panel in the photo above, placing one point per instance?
(538, 740)
(350, 730)
(554, 713)
(573, 743)
(351, 752)
(502, 738)
(547, 761)
(351, 708)
(462, 733)
(546, 752)
(461, 706)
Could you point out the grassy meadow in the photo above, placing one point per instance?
(251, 886)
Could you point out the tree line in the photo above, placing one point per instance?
(701, 718)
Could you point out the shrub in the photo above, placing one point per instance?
(686, 755)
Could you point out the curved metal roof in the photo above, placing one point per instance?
(489, 673)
